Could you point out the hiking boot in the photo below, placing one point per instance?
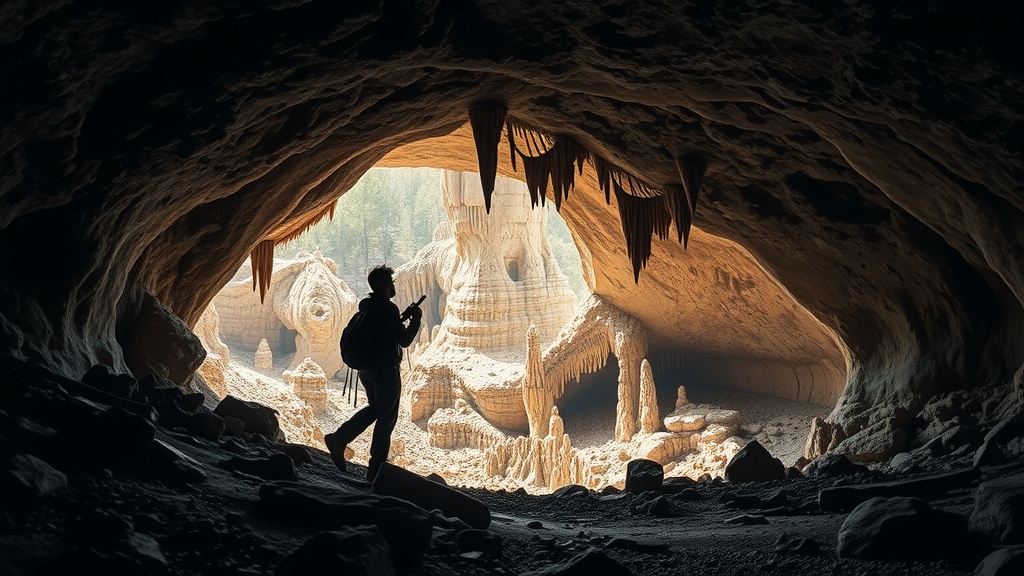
(337, 450)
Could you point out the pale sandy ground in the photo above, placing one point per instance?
(780, 425)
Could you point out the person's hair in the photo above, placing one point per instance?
(378, 278)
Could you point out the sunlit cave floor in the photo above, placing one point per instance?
(174, 507)
(779, 425)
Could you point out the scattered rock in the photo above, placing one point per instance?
(753, 463)
(999, 510)
(27, 479)
(658, 507)
(358, 550)
(987, 454)
(833, 465)
(404, 526)
(875, 443)
(394, 481)
(643, 475)
(257, 418)
(172, 464)
(900, 528)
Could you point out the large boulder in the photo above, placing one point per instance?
(900, 528)
(999, 510)
(753, 463)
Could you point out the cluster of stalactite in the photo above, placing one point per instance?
(262, 255)
(645, 210)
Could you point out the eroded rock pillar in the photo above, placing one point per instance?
(536, 397)
(629, 387)
(650, 420)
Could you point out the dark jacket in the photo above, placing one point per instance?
(390, 335)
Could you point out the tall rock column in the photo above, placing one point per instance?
(536, 397)
(650, 421)
(630, 353)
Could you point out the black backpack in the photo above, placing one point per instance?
(358, 349)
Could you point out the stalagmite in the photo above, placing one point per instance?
(536, 396)
(310, 384)
(264, 357)
(650, 420)
(681, 399)
(557, 426)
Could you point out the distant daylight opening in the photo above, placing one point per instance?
(517, 377)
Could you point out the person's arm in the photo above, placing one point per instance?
(397, 331)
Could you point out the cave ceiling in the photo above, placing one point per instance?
(866, 156)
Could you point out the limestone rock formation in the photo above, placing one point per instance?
(310, 384)
(650, 422)
(537, 398)
(264, 359)
(488, 278)
(306, 308)
(207, 329)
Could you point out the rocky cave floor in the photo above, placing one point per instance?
(93, 485)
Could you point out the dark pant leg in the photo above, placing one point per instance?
(362, 419)
(387, 386)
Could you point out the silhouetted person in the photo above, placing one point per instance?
(383, 381)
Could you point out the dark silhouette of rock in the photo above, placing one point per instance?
(480, 541)
(643, 475)
(258, 419)
(394, 481)
(27, 479)
(753, 463)
(833, 465)
(900, 528)
(1003, 562)
(358, 550)
(403, 525)
(570, 490)
(999, 510)
(928, 486)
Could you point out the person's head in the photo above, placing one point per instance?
(380, 281)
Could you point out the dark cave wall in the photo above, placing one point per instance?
(868, 157)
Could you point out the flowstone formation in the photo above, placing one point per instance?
(487, 278)
(700, 439)
(305, 311)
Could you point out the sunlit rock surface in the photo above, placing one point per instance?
(304, 312)
(488, 283)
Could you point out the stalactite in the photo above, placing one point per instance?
(679, 208)
(566, 157)
(262, 261)
(487, 122)
(691, 172)
(640, 218)
(537, 171)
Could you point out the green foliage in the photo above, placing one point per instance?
(389, 215)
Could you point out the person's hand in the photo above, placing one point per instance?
(416, 313)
